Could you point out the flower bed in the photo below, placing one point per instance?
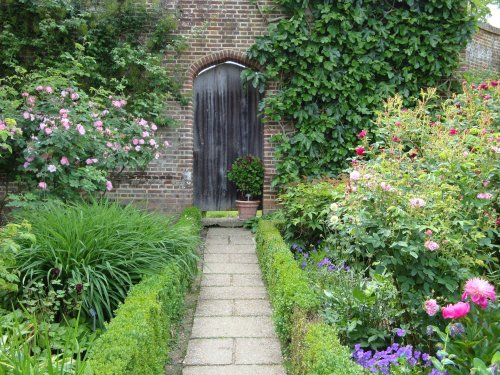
(411, 244)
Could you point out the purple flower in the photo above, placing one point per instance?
(400, 332)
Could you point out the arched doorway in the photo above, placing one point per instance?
(226, 125)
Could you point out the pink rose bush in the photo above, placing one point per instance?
(72, 144)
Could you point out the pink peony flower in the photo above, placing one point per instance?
(64, 161)
(431, 245)
(479, 291)
(355, 175)
(109, 185)
(80, 129)
(456, 311)
(417, 202)
(42, 185)
(431, 307)
(453, 131)
(51, 168)
(494, 83)
(486, 196)
(360, 151)
(362, 134)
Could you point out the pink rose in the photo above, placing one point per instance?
(49, 89)
(42, 185)
(152, 142)
(135, 142)
(48, 131)
(80, 129)
(417, 202)
(355, 175)
(74, 96)
(453, 131)
(431, 245)
(486, 196)
(362, 134)
(456, 311)
(154, 127)
(431, 307)
(64, 161)
(51, 168)
(428, 232)
(109, 185)
(360, 151)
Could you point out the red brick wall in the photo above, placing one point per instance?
(483, 52)
(215, 32)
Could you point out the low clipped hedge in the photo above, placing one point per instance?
(312, 346)
(137, 339)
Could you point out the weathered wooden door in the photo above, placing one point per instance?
(226, 126)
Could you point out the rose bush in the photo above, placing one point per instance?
(74, 144)
(422, 197)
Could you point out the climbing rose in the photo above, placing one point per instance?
(431, 245)
(485, 196)
(431, 307)
(479, 291)
(64, 161)
(456, 311)
(362, 133)
(42, 185)
(355, 175)
(453, 131)
(417, 202)
(360, 151)
(109, 185)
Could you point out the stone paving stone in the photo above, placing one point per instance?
(217, 279)
(229, 268)
(243, 258)
(235, 370)
(252, 307)
(230, 249)
(205, 327)
(219, 258)
(247, 280)
(223, 240)
(209, 352)
(257, 351)
(214, 307)
(233, 292)
(237, 240)
(227, 232)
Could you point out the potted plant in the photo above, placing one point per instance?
(247, 173)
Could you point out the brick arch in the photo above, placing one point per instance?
(219, 58)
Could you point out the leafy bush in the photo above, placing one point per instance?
(424, 207)
(305, 209)
(73, 144)
(337, 61)
(137, 339)
(313, 347)
(247, 173)
(99, 250)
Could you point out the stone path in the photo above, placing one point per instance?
(232, 332)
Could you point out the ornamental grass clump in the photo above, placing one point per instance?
(99, 250)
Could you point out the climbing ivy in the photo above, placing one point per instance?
(336, 61)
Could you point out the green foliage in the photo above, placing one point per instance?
(336, 61)
(425, 206)
(324, 355)
(100, 250)
(313, 348)
(137, 339)
(8, 130)
(247, 173)
(31, 347)
(9, 235)
(111, 44)
(305, 209)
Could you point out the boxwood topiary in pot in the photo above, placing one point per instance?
(247, 173)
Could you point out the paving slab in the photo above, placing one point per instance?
(232, 332)
(209, 352)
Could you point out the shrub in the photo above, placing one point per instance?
(137, 339)
(313, 348)
(100, 250)
(425, 207)
(305, 209)
(247, 173)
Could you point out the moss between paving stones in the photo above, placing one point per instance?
(137, 340)
(311, 345)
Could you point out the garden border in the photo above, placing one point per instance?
(311, 345)
(137, 340)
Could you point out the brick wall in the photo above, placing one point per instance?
(483, 52)
(215, 31)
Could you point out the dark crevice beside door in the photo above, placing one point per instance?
(226, 126)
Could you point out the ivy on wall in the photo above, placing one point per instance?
(336, 61)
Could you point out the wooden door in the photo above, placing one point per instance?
(226, 126)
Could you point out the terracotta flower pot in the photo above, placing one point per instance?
(247, 209)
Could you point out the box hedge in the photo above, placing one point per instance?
(311, 345)
(137, 339)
